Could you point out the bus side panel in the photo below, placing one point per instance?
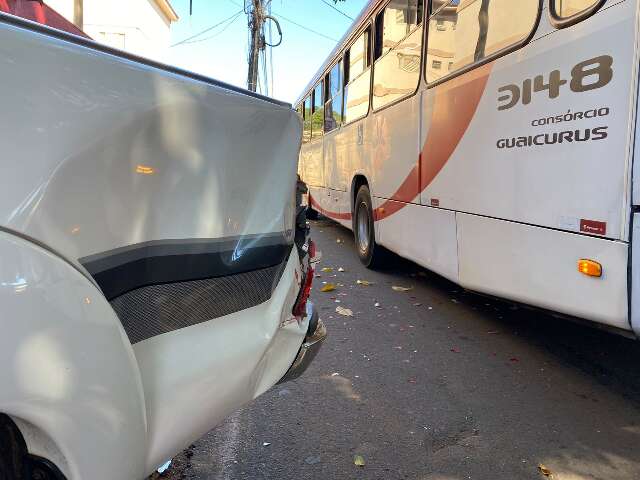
(335, 152)
(555, 156)
(635, 275)
(424, 235)
(538, 266)
(314, 163)
(395, 151)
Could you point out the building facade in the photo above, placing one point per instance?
(141, 27)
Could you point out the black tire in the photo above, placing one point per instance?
(12, 450)
(312, 214)
(371, 254)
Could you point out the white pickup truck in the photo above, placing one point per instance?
(154, 270)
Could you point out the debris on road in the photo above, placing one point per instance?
(312, 459)
(326, 269)
(341, 269)
(265, 444)
(358, 461)
(401, 289)
(364, 283)
(328, 287)
(545, 471)
(344, 311)
(455, 350)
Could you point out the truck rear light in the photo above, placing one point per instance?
(300, 307)
(312, 249)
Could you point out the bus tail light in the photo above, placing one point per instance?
(589, 267)
(300, 307)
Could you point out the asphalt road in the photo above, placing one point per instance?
(435, 383)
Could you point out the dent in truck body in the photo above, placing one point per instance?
(103, 152)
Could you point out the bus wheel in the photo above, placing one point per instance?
(370, 254)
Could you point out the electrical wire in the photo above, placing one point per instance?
(337, 10)
(271, 50)
(217, 33)
(277, 15)
(204, 31)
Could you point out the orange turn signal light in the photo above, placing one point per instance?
(589, 267)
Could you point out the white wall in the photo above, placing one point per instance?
(137, 26)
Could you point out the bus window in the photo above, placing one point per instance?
(317, 115)
(456, 39)
(357, 78)
(306, 135)
(573, 9)
(396, 71)
(333, 105)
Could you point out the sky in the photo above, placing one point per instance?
(221, 53)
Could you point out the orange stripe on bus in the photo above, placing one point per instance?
(455, 105)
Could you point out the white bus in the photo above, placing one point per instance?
(492, 142)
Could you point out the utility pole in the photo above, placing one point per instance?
(256, 20)
(78, 13)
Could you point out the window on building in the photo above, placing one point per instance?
(569, 8)
(481, 28)
(398, 49)
(333, 105)
(357, 77)
(317, 114)
(306, 134)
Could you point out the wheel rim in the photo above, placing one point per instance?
(362, 223)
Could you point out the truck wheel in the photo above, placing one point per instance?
(12, 450)
(370, 254)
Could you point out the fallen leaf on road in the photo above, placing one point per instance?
(358, 461)
(401, 289)
(327, 269)
(329, 287)
(364, 283)
(341, 269)
(545, 471)
(344, 311)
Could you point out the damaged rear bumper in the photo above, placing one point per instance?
(310, 347)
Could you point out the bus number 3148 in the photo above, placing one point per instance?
(599, 69)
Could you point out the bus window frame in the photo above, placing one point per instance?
(367, 25)
(327, 93)
(559, 22)
(488, 59)
(423, 52)
(321, 83)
